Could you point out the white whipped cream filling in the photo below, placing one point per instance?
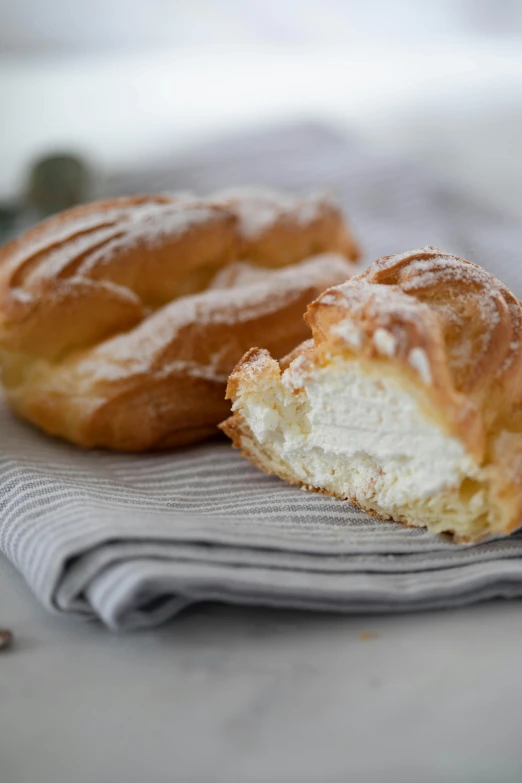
(359, 435)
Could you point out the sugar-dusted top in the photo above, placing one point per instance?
(438, 295)
(260, 208)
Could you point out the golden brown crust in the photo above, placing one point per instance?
(120, 320)
(480, 318)
(271, 226)
(450, 326)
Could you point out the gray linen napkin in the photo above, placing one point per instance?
(134, 539)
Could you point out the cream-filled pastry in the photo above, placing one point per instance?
(407, 401)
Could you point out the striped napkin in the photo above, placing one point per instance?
(132, 540)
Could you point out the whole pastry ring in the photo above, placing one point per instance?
(121, 320)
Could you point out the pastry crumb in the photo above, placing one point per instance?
(365, 635)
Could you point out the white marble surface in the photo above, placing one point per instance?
(226, 695)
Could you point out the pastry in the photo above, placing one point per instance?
(406, 402)
(121, 320)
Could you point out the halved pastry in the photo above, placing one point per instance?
(406, 402)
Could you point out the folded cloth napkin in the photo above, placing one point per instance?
(134, 539)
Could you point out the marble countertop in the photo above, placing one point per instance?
(228, 694)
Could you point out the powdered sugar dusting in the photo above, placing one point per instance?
(385, 342)
(239, 273)
(419, 361)
(83, 220)
(150, 227)
(95, 235)
(226, 307)
(477, 297)
(381, 303)
(350, 332)
(61, 257)
(259, 209)
(443, 297)
(92, 237)
(21, 295)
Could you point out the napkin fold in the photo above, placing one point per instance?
(132, 540)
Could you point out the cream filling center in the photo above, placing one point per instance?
(362, 435)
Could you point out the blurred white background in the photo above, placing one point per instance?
(124, 81)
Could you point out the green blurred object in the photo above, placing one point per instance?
(57, 182)
(8, 215)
